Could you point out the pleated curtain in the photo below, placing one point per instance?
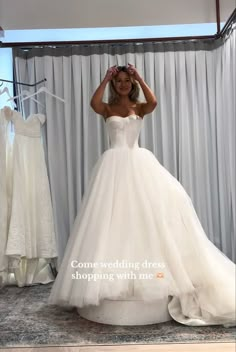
(191, 132)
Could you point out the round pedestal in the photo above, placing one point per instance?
(127, 312)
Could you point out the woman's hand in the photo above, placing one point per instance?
(111, 73)
(133, 72)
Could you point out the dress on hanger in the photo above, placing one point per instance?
(31, 229)
(137, 235)
(4, 199)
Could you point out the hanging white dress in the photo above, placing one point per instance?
(136, 218)
(31, 230)
(4, 198)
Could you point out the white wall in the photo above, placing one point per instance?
(33, 14)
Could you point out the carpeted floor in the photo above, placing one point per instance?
(27, 320)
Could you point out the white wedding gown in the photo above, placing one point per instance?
(31, 241)
(135, 212)
(5, 151)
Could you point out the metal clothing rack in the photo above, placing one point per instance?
(23, 84)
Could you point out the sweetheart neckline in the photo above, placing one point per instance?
(126, 117)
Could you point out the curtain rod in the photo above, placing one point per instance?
(24, 84)
(228, 23)
(218, 15)
(110, 41)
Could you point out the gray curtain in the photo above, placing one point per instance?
(192, 131)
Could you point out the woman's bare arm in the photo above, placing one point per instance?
(96, 102)
(151, 101)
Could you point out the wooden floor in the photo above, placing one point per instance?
(207, 347)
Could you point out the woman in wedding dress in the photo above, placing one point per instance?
(137, 233)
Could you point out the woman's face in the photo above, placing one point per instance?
(122, 83)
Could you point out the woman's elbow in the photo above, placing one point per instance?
(92, 103)
(154, 104)
(154, 100)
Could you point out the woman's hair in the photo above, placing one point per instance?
(114, 96)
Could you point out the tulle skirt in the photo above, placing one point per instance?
(137, 235)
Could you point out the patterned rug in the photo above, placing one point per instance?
(26, 320)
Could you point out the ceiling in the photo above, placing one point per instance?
(46, 14)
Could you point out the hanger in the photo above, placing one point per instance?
(6, 90)
(27, 93)
(43, 89)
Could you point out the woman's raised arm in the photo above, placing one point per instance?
(151, 101)
(96, 102)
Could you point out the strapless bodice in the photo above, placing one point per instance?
(124, 131)
(31, 127)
